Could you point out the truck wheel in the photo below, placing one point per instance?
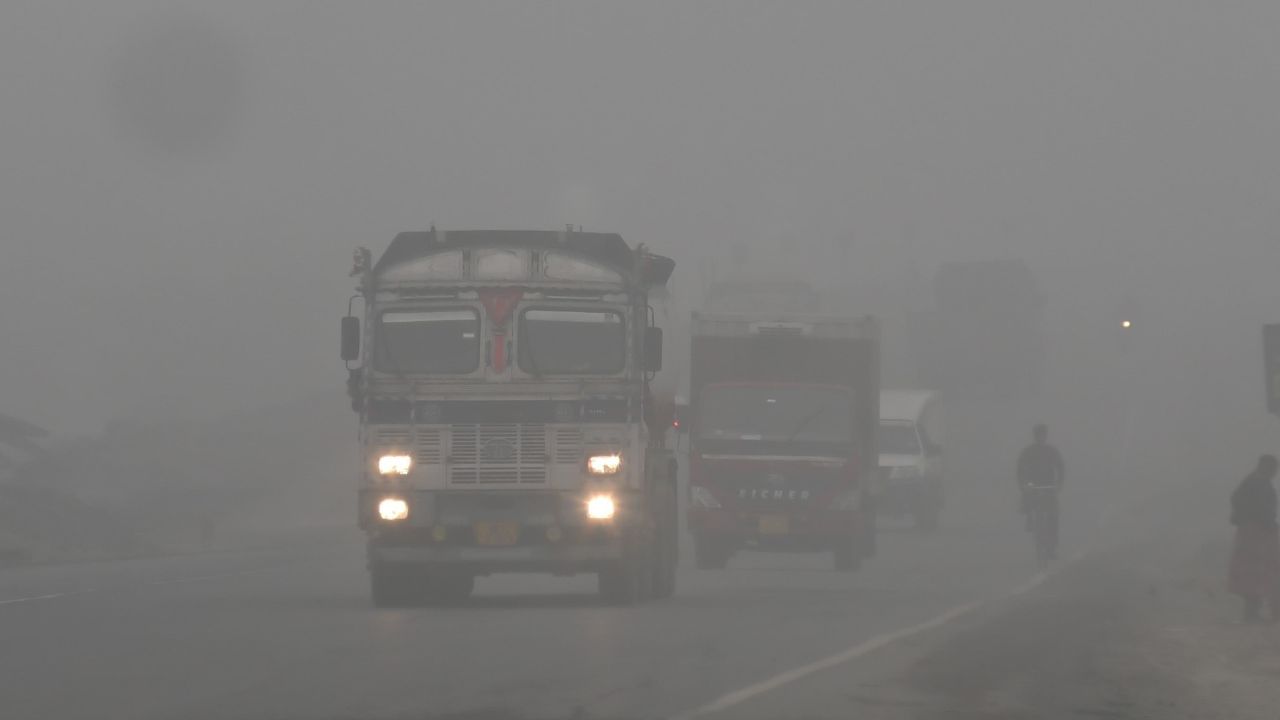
(396, 587)
(647, 558)
(709, 554)
(870, 535)
(664, 571)
(451, 588)
(848, 556)
(667, 551)
(628, 581)
(926, 518)
(620, 585)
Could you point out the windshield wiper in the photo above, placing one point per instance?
(390, 356)
(804, 422)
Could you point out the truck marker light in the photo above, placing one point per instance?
(601, 507)
(394, 464)
(604, 464)
(393, 508)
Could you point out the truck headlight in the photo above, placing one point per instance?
(393, 508)
(604, 464)
(394, 464)
(601, 507)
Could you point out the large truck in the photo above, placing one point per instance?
(514, 414)
(784, 409)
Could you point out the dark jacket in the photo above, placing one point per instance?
(1041, 464)
(1254, 502)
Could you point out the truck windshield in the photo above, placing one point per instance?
(776, 414)
(898, 439)
(572, 342)
(428, 341)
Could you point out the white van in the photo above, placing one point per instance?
(910, 456)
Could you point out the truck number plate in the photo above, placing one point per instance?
(774, 525)
(497, 533)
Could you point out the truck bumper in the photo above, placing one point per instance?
(543, 532)
(814, 531)
(518, 558)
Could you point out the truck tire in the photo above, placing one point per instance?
(647, 556)
(709, 554)
(870, 534)
(926, 518)
(628, 581)
(664, 576)
(848, 556)
(396, 587)
(451, 588)
(667, 556)
(620, 585)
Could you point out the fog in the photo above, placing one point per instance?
(183, 184)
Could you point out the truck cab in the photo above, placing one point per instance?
(782, 435)
(506, 385)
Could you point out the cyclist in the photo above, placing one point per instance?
(1040, 466)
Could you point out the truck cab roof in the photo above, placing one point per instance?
(607, 249)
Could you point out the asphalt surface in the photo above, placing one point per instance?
(1140, 631)
(290, 632)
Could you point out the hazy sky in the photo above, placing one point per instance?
(182, 185)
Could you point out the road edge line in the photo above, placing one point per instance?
(50, 596)
(866, 647)
(741, 695)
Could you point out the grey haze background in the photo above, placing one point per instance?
(182, 184)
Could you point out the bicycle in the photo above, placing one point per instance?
(1042, 521)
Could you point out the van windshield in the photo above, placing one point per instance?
(898, 439)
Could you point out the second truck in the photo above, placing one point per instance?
(784, 407)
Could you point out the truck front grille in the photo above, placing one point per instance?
(568, 445)
(498, 454)
(426, 450)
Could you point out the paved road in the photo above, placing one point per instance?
(290, 633)
(1141, 630)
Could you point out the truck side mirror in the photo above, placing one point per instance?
(350, 338)
(653, 349)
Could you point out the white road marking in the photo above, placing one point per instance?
(50, 596)
(1031, 584)
(737, 697)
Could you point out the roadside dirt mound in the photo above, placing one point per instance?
(42, 525)
(1072, 650)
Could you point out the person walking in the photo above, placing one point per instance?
(1255, 557)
